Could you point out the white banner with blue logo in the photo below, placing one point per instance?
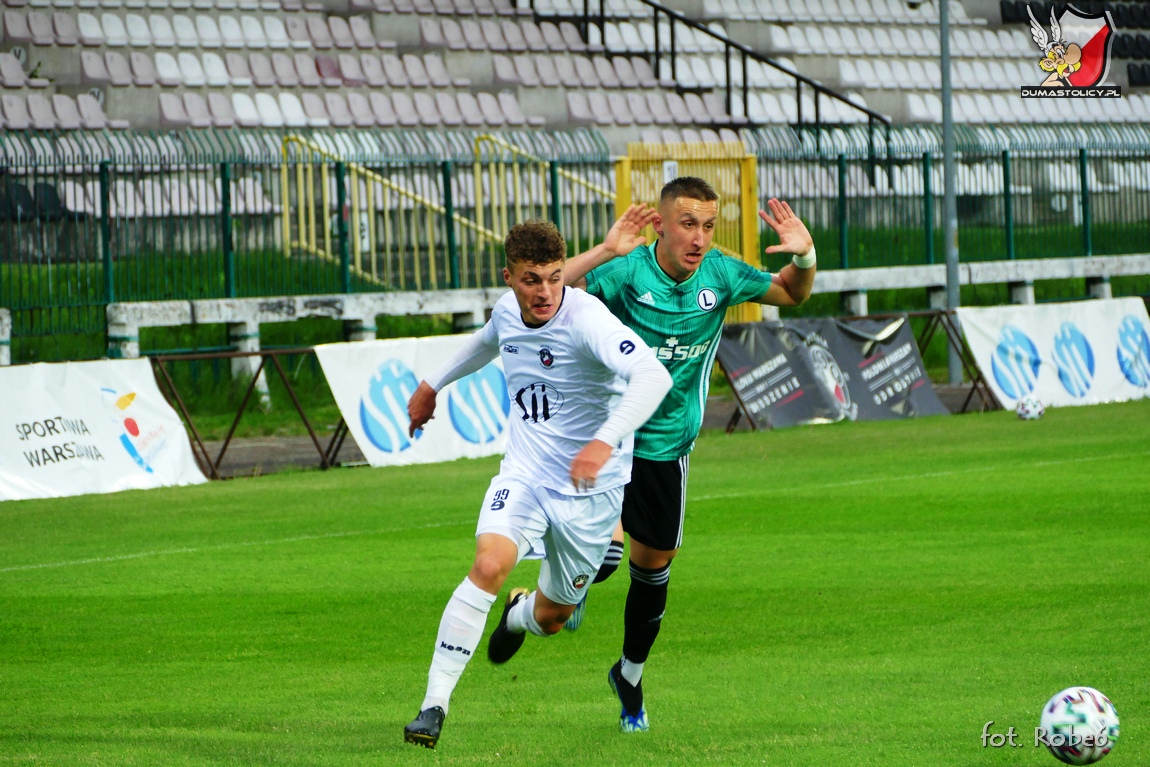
(1080, 353)
(72, 428)
(373, 380)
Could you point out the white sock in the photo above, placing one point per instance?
(522, 617)
(460, 630)
(631, 671)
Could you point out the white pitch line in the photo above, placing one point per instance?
(910, 477)
(223, 547)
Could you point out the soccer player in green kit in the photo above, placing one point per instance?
(674, 293)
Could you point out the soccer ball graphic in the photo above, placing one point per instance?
(1030, 408)
(1079, 725)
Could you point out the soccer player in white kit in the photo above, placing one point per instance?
(580, 382)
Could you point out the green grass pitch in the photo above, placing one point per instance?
(859, 594)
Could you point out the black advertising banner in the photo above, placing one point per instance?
(773, 377)
(862, 369)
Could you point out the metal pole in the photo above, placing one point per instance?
(553, 182)
(949, 199)
(844, 260)
(226, 231)
(1008, 204)
(449, 223)
(341, 228)
(927, 208)
(106, 231)
(1083, 178)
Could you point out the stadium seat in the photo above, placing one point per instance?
(372, 70)
(207, 31)
(382, 109)
(547, 72)
(196, 107)
(167, 70)
(395, 71)
(269, 111)
(231, 33)
(448, 109)
(415, 71)
(184, 30)
(585, 73)
(295, 113)
(360, 108)
(12, 74)
(172, 111)
(297, 32)
(600, 108)
(361, 33)
(505, 73)
(470, 109)
(215, 71)
(404, 109)
(533, 37)
(320, 33)
(220, 108)
(328, 69)
(565, 69)
(252, 30)
(238, 70)
(247, 116)
(283, 70)
(65, 28)
(262, 72)
(426, 110)
(338, 110)
(305, 67)
(191, 71)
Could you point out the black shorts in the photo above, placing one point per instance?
(654, 501)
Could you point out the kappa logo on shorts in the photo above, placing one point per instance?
(546, 358)
(580, 581)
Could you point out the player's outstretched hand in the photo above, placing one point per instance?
(624, 234)
(421, 407)
(585, 468)
(793, 235)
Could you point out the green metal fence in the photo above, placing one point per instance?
(87, 218)
(1023, 191)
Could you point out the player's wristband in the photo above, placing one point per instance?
(805, 262)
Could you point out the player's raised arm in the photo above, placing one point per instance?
(792, 284)
(477, 351)
(647, 383)
(622, 238)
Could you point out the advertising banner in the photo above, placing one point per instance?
(1078, 353)
(824, 370)
(373, 380)
(88, 427)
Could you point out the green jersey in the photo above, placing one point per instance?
(682, 322)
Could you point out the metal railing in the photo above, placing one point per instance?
(735, 54)
(89, 218)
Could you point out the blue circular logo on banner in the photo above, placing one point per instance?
(1015, 363)
(383, 410)
(1134, 351)
(1075, 360)
(479, 406)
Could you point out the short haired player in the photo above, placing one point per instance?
(674, 293)
(580, 383)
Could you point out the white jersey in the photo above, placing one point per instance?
(563, 379)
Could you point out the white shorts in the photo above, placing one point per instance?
(574, 531)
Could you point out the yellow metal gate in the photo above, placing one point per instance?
(727, 167)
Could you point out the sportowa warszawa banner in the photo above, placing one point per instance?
(71, 428)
